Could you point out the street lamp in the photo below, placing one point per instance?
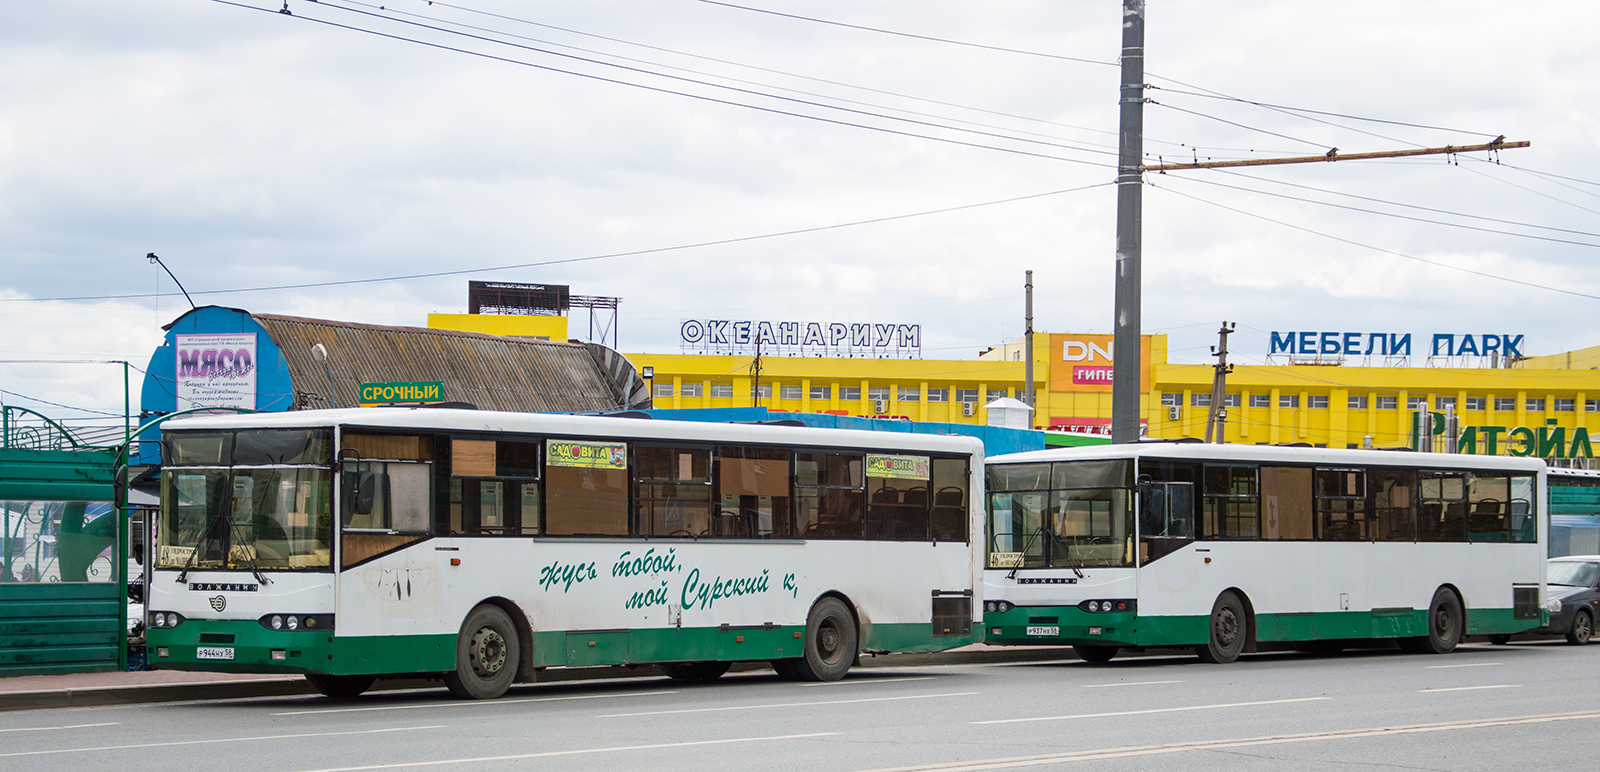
(319, 352)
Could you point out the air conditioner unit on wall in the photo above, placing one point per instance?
(1174, 412)
(969, 408)
(880, 406)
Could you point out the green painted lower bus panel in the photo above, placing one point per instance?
(244, 646)
(1070, 625)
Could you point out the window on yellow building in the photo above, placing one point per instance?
(1564, 405)
(820, 392)
(910, 395)
(1388, 403)
(1288, 400)
(850, 393)
(1260, 400)
(691, 389)
(1357, 403)
(938, 395)
(1475, 403)
(966, 395)
(790, 392)
(1318, 402)
(721, 390)
(878, 392)
(1536, 404)
(663, 390)
(1505, 403)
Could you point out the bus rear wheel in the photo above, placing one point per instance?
(340, 687)
(830, 645)
(1228, 631)
(1444, 626)
(1095, 654)
(696, 671)
(487, 653)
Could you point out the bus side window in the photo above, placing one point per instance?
(829, 495)
(1286, 503)
(1393, 504)
(1524, 527)
(672, 492)
(1232, 503)
(1166, 518)
(494, 488)
(897, 497)
(586, 488)
(753, 499)
(1443, 499)
(950, 500)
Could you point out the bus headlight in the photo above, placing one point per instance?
(997, 606)
(165, 620)
(276, 623)
(294, 624)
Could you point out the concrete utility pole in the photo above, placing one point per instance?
(1219, 386)
(1126, 334)
(1027, 345)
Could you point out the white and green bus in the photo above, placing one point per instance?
(1224, 547)
(483, 547)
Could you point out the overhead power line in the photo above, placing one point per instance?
(691, 95)
(632, 253)
(1394, 215)
(1355, 243)
(913, 36)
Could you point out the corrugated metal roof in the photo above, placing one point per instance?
(489, 371)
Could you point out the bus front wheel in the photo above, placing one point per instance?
(340, 687)
(1095, 654)
(1227, 631)
(487, 653)
(829, 647)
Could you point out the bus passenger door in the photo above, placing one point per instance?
(1166, 518)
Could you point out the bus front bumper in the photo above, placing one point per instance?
(1059, 626)
(239, 646)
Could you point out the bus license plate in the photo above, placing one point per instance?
(209, 652)
(1050, 631)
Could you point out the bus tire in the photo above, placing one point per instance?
(696, 671)
(487, 653)
(1228, 631)
(1444, 626)
(340, 687)
(1095, 654)
(830, 643)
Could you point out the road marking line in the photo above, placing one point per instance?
(463, 704)
(1206, 745)
(1152, 710)
(870, 681)
(786, 705)
(217, 740)
(1471, 664)
(47, 728)
(1130, 683)
(549, 754)
(1470, 688)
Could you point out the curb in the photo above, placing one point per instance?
(280, 686)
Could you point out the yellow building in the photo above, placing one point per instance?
(1537, 406)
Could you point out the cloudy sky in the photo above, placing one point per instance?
(929, 151)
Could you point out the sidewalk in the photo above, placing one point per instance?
(126, 688)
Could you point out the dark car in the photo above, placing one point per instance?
(1572, 593)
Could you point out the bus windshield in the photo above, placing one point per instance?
(1062, 515)
(246, 515)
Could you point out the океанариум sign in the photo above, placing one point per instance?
(745, 335)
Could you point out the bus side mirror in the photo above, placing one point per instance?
(366, 484)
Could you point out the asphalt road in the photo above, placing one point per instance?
(1525, 706)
